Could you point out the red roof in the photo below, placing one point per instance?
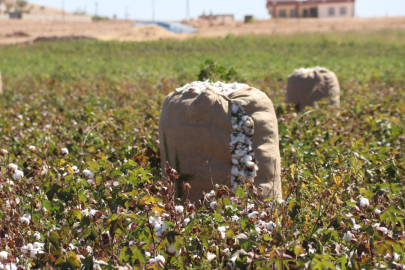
(305, 2)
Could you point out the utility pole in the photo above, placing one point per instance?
(187, 10)
(127, 13)
(153, 10)
(63, 10)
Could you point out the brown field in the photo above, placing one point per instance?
(15, 31)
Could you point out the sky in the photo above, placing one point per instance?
(167, 10)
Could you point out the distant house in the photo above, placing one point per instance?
(7, 5)
(218, 19)
(311, 8)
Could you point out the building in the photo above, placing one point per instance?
(22, 10)
(311, 8)
(218, 19)
(7, 6)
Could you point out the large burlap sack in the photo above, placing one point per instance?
(306, 86)
(195, 133)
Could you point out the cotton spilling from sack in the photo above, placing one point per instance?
(308, 85)
(219, 133)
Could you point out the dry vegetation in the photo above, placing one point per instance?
(12, 32)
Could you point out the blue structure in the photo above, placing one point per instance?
(177, 28)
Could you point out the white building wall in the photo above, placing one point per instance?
(323, 10)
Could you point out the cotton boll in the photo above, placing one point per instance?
(234, 218)
(281, 202)
(25, 250)
(12, 167)
(152, 221)
(24, 221)
(75, 169)
(44, 170)
(89, 249)
(241, 138)
(377, 212)
(253, 215)
(235, 161)
(271, 226)
(222, 231)
(396, 256)
(172, 250)
(247, 158)
(17, 175)
(30, 247)
(242, 173)
(91, 182)
(160, 227)
(179, 209)
(37, 236)
(214, 205)
(32, 148)
(235, 108)
(158, 259)
(240, 152)
(92, 213)
(356, 228)
(64, 151)
(186, 221)
(39, 245)
(348, 236)
(211, 256)
(211, 194)
(383, 230)
(387, 257)
(250, 164)
(364, 202)
(88, 174)
(235, 171)
(4, 255)
(3, 152)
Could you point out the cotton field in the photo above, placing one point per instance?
(85, 182)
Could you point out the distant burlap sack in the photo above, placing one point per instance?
(306, 86)
(195, 133)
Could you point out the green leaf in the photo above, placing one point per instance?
(218, 217)
(125, 254)
(137, 254)
(240, 192)
(93, 166)
(54, 238)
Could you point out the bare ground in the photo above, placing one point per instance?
(15, 31)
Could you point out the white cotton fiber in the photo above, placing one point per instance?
(219, 87)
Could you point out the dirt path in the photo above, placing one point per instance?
(14, 32)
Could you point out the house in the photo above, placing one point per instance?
(7, 5)
(218, 19)
(311, 8)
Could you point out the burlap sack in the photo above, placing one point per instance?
(195, 132)
(306, 86)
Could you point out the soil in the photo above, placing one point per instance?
(20, 31)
